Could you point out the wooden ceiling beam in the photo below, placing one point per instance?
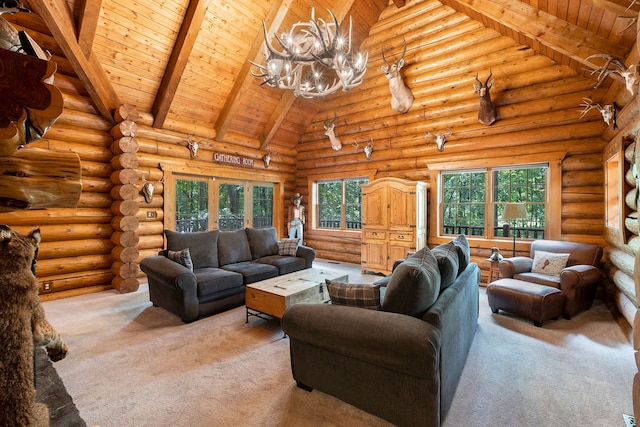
(55, 15)
(88, 22)
(245, 79)
(399, 3)
(189, 30)
(546, 29)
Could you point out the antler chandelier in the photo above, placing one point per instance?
(315, 60)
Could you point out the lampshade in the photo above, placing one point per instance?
(514, 211)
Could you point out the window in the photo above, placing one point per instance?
(206, 203)
(472, 201)
(338, 204)
(192, 201)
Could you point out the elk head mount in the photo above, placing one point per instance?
(629, 74)
(401, 96)
(487, 112)
(439, 138)
(329, 126)
(608, 112)
(367, 149)
(148, 187)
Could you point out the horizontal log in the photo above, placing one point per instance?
(150, 227)
(38, 179)
(125, 270)
(54, 233)
(53, 216)
(583, 194)
(126, 112)
(74, 292)
(124, 161)
(78, 264)
(631, 223)
(94, 200)
(125, 238)
(125, 128)
(73, 248)
(124, 176)
(624, 282)
(64, 282)
(624, 305)
(582, 162)
(582, 226)
(95, 169)
(591, 210)
(125, 207)
(124, 192)
(96, 184)
(125, 255)
(620, 259)
(153, 242)
(126, 144)
(125, 223)
(125, 285)
(582, 178)
(630, 199)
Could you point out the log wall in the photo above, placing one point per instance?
(538, 112)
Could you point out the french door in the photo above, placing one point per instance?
(205, 203)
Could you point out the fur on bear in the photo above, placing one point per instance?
(22, 326)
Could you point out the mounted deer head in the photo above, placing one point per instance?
(440, 138)
(487, 112)
(401, 96)
(630, 74)
(193, 146)
(329, 131)
(148, 188)
(266, 159)
(367, 149)
(608, 112)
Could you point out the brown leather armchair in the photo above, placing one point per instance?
(578, 281)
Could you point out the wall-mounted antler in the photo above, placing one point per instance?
(193, 146)
(367, 149)
(615, 66)
(401, 96)
(608, 112)
(440, 138)
(148, 187)
(487, 112)
(329, 126)
(266, 159)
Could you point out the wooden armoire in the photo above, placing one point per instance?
(394, 222)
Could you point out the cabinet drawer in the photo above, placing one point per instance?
(399, 236)
(375, 234)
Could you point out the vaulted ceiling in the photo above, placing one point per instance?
(186, 63)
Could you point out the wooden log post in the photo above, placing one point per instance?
(125, 194)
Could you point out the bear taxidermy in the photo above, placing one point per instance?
(22, 326)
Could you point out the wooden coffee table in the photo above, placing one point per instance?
(274, 296)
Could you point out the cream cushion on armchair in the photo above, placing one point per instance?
(578, 280)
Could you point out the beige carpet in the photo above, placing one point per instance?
(132, 364)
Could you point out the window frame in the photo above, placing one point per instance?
(553, 203)
(312, 212)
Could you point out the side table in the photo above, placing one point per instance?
(494, 271)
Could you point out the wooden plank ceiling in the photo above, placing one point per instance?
(186, 62)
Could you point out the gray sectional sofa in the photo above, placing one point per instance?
(403, 362)
(209, 270)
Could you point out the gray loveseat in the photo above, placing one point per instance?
(222, 264)
(401, 363)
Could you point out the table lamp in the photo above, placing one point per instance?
(512, 212)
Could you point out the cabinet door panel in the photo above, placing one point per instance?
(374, 208)
(376, 256)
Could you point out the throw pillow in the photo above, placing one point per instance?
(448, 263)
(288, 247)
(549, 263)
(262, 241)
(181, 257)
(203, 246)
(414, 285)
(464, 252)
(354, 294)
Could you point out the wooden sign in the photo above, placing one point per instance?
(233, 160)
